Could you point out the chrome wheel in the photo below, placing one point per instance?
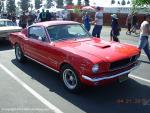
(18, 52)
(70, 79)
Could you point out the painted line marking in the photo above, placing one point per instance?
(34, 93)
(140, 78)
(6, 51)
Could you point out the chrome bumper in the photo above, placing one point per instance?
(110, 76)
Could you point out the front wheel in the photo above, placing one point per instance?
(19, 54)
(70, 79)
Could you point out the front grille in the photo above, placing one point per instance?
(123, 62)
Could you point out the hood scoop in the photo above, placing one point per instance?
(100, 45)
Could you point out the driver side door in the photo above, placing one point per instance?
(38, 42)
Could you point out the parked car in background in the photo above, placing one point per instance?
(67, 48)
(7, 27)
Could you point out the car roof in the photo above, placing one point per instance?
(5, 20)
(51, 23)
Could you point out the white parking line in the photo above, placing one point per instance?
(140, 78)
(7, 51)
(34, 93)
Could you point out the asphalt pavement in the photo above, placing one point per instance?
(32, 88)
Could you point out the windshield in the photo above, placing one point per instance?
(65, 32)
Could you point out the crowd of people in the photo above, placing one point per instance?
(28, 18)
(98, 24)
(131, 23)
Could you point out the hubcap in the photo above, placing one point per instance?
(69, 78)
(18, 52)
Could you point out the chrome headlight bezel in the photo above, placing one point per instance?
(95, 68)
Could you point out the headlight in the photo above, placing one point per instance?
(95, 68)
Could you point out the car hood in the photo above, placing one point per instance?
(96, 49)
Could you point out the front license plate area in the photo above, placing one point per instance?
(123, 78)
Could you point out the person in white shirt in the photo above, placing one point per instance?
(144, 35)
(98, 23)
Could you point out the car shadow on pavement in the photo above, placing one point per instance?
(128, 97)
(147, 62)
(5, 45)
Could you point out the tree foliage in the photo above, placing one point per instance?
(38, 4)
(79, 2)
(60, 3)
(87, 2)
(24, 4)
(140, 3)
(69, 2)
(0, 6)
(11, 7)
(49, 3)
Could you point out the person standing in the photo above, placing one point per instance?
(23, 20)
(134, 23)
(128, 24)
(14, 19)
(86, 22)
(30, 19)
(42, 16)
(98, 23)
(115, 29)
(144, 35)
(48, 15)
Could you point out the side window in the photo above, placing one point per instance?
(2, 23)
(37, 33)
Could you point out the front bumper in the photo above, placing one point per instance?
(110, 76)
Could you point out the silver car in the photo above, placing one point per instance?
(7, 27)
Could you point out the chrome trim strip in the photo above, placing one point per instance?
(110, 77)
(42, 64)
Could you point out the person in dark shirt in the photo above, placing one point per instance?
(30, 19)
(114, 28)
(42, 16)
(48, 15)
(134, 23)
(23, 20)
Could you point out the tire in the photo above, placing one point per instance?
(19, 54)
(70, 79)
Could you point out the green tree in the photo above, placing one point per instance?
(69, 2)
(87, 2)
(11, 7)
(49, 3)
(24, 4)
(60, 3)
(1, 5)
(140, 3)
(79, 2)
(37, 4)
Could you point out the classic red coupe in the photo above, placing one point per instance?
(67, 48)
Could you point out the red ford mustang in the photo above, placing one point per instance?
(67, 48)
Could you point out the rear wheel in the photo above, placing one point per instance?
(70, 79)
(19, 54)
